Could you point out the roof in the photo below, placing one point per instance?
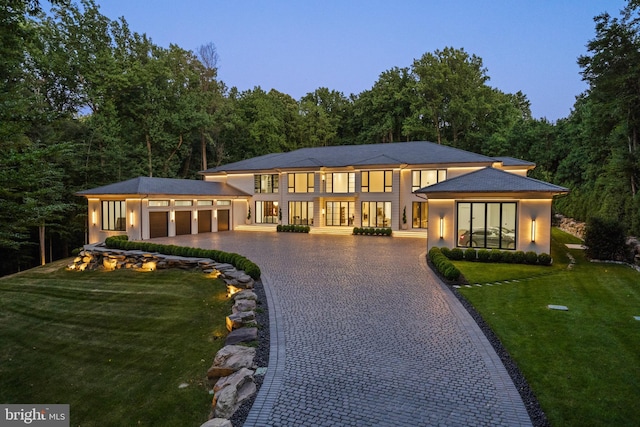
(165, 186)
(491, 180)
(512, 161)
(397, 153)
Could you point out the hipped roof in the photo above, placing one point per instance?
(149, 186)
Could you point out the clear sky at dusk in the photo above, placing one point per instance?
(296, 47)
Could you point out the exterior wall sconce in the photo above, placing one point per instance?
(322, 211)
(533, 230)
(442, 227)
(195, 215)
(173, 216)
(94, 217)
(131, 218)
(215, 213)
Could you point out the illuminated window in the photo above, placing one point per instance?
(301, 213)
(487, 224)
(341, 182)
(114, 215)
(266, 212)
(425, 178)
(184, 202)
(266, 183)
(376, 214)
(301, 182)
(158, 203)
(377, 181)
(420, 215)
(205, 202)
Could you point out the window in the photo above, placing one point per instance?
(487, 225)
(158, 203)
(223, 203)
(184, 203)
(205, 202)
(377, 182)
(420, 215)
(301, 213)
(376, 214)
(340, 213)
(114, 215)
(301, 182)
(341, 182)
(425, 178)
(266, 212)
(265, 183)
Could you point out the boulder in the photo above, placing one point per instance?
(231, 391)
(243, 305)
(217, 422)
(230, 359)
(245, 294)
(109, 263)
(242, 335)
(238, 320)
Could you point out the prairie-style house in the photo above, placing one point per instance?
(452, 197)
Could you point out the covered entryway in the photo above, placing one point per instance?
(223, 219)
(183, 222)
(158, 224)
(204, 221)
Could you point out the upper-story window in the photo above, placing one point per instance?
(425, 178)
(377, 181)
(301, 182)
(341, 182)
(267, 183)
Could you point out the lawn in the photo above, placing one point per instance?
(582, 364)
(116, 346)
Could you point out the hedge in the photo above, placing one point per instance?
(237, 260)
(372, 231)
(443, 265)
(495, 255)
(293, 228)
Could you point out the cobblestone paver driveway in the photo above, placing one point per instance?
(363, 334)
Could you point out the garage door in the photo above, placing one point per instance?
(183, 222)
(204, 221)
(223, 220)
(158, 224)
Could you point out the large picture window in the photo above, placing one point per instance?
(420, 215)
(340, 213)
(301, 213)
(487, 224)
(301, 182)
(267, 212)
(376, 214)
(341, 182)
(265, 183)
(377, 181)
(425, 178)
(114, 215)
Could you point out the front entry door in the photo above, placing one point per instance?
(223, 219)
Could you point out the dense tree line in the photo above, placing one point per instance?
(86, 101)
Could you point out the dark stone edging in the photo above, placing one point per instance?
(537, 415)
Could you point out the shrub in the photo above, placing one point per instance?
(470, 254)
(544, 259)
(531, 257)
(443, 265)
(508, 257)
(483, 255)
(495, 255)
(456, 254)
(518, 257)
(451, 272)
(446, 252)
(604, 239)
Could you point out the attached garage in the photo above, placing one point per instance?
(183, 222)
(158, 224)
(223, 219)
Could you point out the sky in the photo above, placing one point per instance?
(296, 47)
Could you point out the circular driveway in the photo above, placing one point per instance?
(364, 334)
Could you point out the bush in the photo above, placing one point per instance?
(483, 255)
(443, 265)
(544, 259)
(518, 257)
(605, 239)
(446, 252)
(470, 254)
(531, 257)
(495, 255)
(508, 257)
(456, 254)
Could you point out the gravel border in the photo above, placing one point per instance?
(537, 415)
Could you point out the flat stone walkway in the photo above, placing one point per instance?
(364, 334)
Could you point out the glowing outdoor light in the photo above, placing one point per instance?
(441, 227)
(195, 215)
(173, 216)
(94, 217)
(131, 217)
(533, 230)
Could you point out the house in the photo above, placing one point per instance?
(462, 198)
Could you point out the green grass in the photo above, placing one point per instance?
(583, 364)
(115, 346)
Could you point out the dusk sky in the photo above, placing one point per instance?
(296, 47)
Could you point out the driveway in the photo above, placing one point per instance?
(364, 334)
